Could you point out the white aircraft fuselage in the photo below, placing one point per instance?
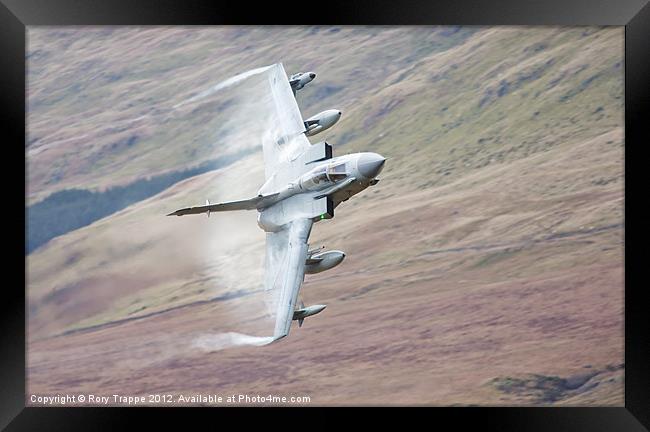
(338, 178)
(303, 185)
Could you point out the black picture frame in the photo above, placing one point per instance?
(15, 15)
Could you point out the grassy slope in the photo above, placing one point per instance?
(104, 97)
(499, 215)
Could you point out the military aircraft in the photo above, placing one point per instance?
(304, 184)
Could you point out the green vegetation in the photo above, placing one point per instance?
(71, 209)
(543, 388)
(494, 257)
(549, 389)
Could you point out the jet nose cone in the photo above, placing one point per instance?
(371, 164)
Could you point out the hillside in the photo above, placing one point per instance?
(485, 268)
(101, 97)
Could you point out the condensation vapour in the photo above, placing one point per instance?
(250, 111)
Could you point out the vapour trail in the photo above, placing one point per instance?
(220, 341)
(252, 96)
(224, 84)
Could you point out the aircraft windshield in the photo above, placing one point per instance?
(320, 175)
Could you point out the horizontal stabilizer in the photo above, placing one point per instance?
(249, 204)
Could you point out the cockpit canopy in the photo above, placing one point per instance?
(319, 176)
(336, 171)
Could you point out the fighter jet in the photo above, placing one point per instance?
(304, 184)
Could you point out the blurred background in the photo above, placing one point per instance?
(485, 268)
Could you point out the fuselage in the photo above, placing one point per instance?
(344, 175)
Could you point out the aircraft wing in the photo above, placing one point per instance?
(286, 253)
(227, 206)
(248, 204)
(285, 141)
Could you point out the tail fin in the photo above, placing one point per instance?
(249, 204)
